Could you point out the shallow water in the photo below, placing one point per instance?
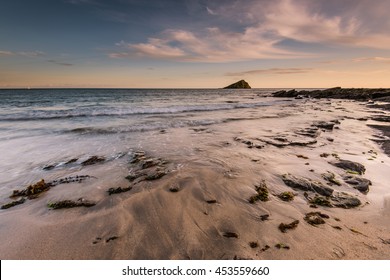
(50, 126)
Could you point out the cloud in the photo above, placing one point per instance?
(59, 62)
(210, 45)
(28, 54)
(260, 29)
(272, 71)
(210, 11)
(373, 59)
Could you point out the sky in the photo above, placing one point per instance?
(194, 43)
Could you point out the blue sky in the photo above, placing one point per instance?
(194, 43)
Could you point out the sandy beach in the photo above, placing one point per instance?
(214, 192)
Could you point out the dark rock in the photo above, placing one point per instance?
(174, 188)
(321, 201)
(71, 161)
(338, 93)
(344, 200)
(361, 184)
(282, 246)
(265, 248)
(284, 227)
(283, 93)
(211, 201)
(13, 203)
(118, 190)
(49, 167)
(264, 217)
(315, 218)
(242, 84)
(312, 132)
(381, 118)
(331, 178)
(306, 184)
(229, 234)
(111, 238)
(325, 125)
(253, 244)
(93, 160)
(70, 204)
(350, 165)
(157, 174)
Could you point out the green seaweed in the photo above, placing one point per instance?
(262, 193)
(286, 196)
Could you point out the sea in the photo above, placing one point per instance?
(43, 127)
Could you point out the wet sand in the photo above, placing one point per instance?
(190, 192)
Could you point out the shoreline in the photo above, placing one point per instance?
(219, 198)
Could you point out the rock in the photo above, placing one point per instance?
(264, 217)
(306, 184)
(70, 204)
(71, 161)
(325, 125)
(338, 93)
(111, 238)
(253, 244)
(229, 234)
(350, 165)
(93, 160)
(344, 200)
(381, 118)
(282, 246)
(321, 201)
(242, 84)
(13, 203)
(284, 93)
(118, 190)
(284, 227)
(315, 218)
(361, 184)
(312, 132)
(174, 188)
(156, 174)
(330, 177)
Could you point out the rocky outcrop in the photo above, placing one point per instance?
(350, 166)
(337, 92)
(239, 85)
(306, 184)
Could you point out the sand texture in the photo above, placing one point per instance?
(258, 187)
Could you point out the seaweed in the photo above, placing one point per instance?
(262, 193)
(320, 200)
(13, 203)
(284, 227)
(315, 218)
(118, 190)
(70, 204)
(286, 196)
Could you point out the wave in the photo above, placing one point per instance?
(83, 112)
(152, 126)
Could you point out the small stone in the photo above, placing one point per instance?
(229, 234)
(93, 160)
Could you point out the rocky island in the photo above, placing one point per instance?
(242, 84)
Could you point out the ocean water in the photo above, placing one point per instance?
(41, 127)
